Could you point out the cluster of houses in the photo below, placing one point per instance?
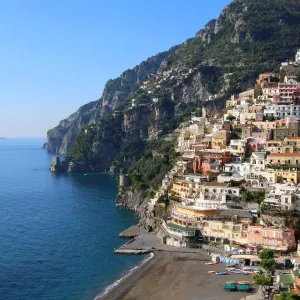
(253, 147)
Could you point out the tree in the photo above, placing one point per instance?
(262, 280)
(271, 118)
(266, 254)
(268, 264)
(267, 259)
(288, 296)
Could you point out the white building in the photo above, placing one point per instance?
(283, 197)
(257, 161)
(216, 195)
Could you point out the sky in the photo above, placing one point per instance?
(57, 55)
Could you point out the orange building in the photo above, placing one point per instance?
(211, 160)
(271, 237)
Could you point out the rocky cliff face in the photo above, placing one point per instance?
(60, 138)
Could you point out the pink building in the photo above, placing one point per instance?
(256, 143)
(271, 237)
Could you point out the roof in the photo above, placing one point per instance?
(220, 184)
(284, 155)
(260, 155)
(286, 278)
(175, 226)
(245, 256)
(240, 213)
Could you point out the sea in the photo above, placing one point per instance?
(57, 231)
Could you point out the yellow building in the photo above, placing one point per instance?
(195, 212)
(183, 189)
(249, 94)
(224, 230)
(294, 141)
(231, 102)
(219, 140)
(288, 176)
(283, 158)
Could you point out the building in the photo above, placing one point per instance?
(286, 92)
(282, 197)
(257, 161)
(219, 139)
(210, 160)
(215, 195)
(286, 128)
(283, 159)
(288, 175)
(249, 94)
(271, 237)
(237, 148)
(224, 231)
(264, 77)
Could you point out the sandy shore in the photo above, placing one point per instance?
(172, 276)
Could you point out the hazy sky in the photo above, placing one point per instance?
(57, 55)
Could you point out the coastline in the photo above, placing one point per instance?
(175, 275)
(120, 286)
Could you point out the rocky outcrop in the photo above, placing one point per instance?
(135, 201)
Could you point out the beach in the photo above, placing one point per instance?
(176, 275)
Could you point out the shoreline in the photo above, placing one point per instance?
(122, 285)
(176, 276)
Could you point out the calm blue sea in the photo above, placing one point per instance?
(57, 231)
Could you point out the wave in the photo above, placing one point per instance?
(114, 284)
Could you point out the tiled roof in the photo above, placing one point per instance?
(284, 154)
(221, 184)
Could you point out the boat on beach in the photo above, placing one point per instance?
(221, 273)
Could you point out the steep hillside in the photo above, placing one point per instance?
(249, 37)
(60, 138)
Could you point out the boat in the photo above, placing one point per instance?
(85, 174)
(230, 286)
(211, 272)
(208, 263)
(244, 287)
(244, 282)
(221, 273)
(246, 272)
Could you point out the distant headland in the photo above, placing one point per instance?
(2, 138)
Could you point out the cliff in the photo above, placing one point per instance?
(60, 138)
(147, 103)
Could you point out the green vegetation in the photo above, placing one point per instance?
(267, 260)
(82, 147)
(262, 280)
(265, 40)
(288, 296)
(266, 254)
(271, 118)
(149, 171)
(253, 197)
